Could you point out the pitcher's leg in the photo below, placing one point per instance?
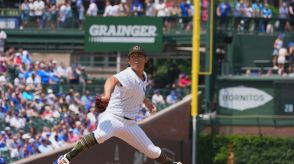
(137, 138)
(103, 132)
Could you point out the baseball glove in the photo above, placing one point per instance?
(100, 105)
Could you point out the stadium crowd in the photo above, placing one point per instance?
(245, 10)
(67, 13)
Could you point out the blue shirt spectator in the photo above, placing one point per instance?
(257, 7)
(44, 76)
(87, 100)
(240, 9)
(27, 95)
(185, 8)
(267, 12)
(224, 9)
(137, 8)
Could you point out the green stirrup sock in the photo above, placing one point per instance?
(83, 144)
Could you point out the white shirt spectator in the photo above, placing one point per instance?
(17, 122)
(3, 35)
(3, 80)
(161, 9)
(45, 148)
(62, 13)
(91, 116)
(16, 81)
(123, 9)
(115, 10)
(39, 7)
(158, 99)
(92, 10)
(150, 9)
(108, 10)
(31, 7)
(60, 71)
(36, 81)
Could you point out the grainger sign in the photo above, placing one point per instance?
(104, 34)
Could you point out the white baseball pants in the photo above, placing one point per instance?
(110, 125)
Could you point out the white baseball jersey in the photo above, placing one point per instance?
(125, 101)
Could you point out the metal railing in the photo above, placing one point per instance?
(9, 12)
(49, 21)
(254, 24)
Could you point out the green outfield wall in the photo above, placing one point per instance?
(255, 100)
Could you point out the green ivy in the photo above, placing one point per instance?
(246, 149)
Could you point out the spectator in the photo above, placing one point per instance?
(223, 10)
(28, 94)
(291, 13)
(137, 8)
(257, 7)
(72, 138)
(45, 146)
(93, 9)
(143, 113)
(3, 37)
(39, 8)
(161, 9)
(62, 16)
(53, 14)
(149, 8)
(158, 100)
(172, 98)
(25, 13)
(34, 81)
(115, 9)
(32, 10)
(267, 13)
(240, 9)
(184, 81)
(92, 117)
(277, 46)
(281, 60)
(291, 58)
(87, 100)
(81, 11)
(73, 75)
(185, 8)
(186, 11)
(123, 9)
(283, 15)
(108, 9)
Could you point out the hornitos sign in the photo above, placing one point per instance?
(120, 33)
(242, 98)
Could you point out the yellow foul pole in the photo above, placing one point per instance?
(195, 56)
(195, 75)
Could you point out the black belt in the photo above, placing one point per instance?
(127, 118)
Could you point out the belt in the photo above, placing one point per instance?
(124, 117)
(127, 118)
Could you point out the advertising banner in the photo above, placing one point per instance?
(242, 98)
(9, 22)
(104, 34)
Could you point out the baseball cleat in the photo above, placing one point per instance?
(177, 162)
(61, 160)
